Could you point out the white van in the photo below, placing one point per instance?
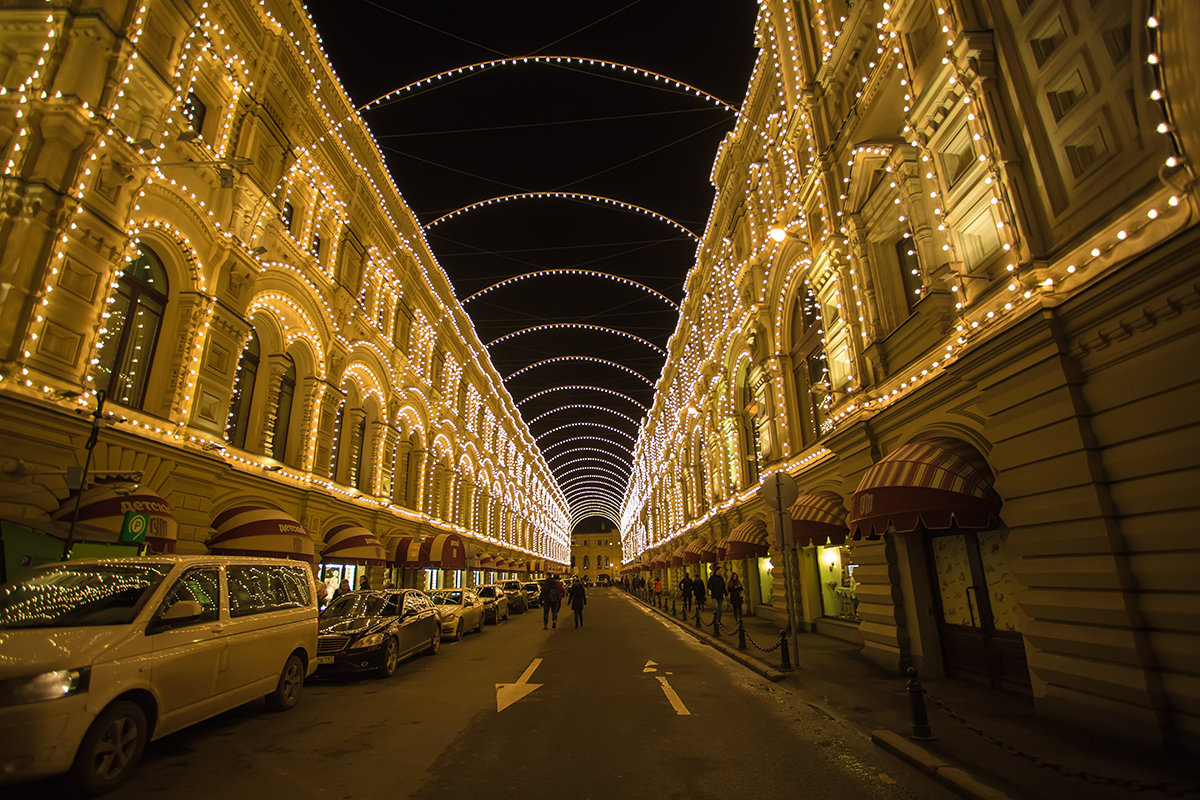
(98, 656)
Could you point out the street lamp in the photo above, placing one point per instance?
(778, 234)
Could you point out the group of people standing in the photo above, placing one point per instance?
(551, 596)
(717, 587)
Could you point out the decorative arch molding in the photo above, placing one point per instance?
(278, 306)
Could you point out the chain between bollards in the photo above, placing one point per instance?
(916, 700)
(785, 661)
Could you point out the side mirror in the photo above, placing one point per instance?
(182, 610)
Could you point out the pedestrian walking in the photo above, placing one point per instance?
(363, 584)
(577, 599)
(716, 587)
(551, 597)
(685, 591)
(657, 589)
(342, 588)
(698, 591)
(735, 594)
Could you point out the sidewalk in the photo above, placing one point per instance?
(839, 682)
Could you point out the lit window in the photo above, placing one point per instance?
(134, 318)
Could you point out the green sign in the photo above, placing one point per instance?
(135, 526)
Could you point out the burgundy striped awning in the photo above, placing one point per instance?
(747, 540)
(260, 531)
(485, 561)
(407, 554)
(818, 518)
(696, 550)
(103, 509)
(938, 483)
(445, 550)
(352, 544)
(676, 558)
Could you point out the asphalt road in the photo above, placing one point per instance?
(624, 707)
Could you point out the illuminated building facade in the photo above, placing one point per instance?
(948, 286)
(596, 549)
(198, 225)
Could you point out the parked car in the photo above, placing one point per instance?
(495, 602)
(533, 593)
(101, 655)
(518, 602)
(460, 610)
(373, 630)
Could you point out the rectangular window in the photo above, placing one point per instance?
(910, 270)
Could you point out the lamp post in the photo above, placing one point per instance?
(97, 418)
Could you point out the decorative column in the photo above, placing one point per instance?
(276, 365)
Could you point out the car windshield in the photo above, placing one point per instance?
(447, 598)
(69, 595)
(487, 591)
(512, 586)
(359, 604)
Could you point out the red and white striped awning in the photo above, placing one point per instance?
(406, 553)
(260, 531)
(102, 512)
(485, 561)
(352, 544)
(937, 483)
(818, 518)
(445, 550)
(747, 540)
(676, 558)
(695, 551)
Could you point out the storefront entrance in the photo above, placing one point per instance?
(977, 612)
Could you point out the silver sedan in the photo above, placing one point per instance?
(460, 609)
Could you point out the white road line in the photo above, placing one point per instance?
(673, 698)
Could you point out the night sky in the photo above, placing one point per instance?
(555, 128)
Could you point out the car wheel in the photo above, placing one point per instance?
(436, 643)
(287, 691)
(458, 630)
(391, 656)
(110, 748)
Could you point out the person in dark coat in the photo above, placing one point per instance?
(735, 594)
(685, 591)
(342, 588)
(716, 587)
(551, 597)
(698, 591)
(577, 599)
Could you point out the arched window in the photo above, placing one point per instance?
(131, 331)
(194, 112)
(243, 393)
(751, 419)
(283, 413)
(362, 477)
(809, 366)
(585, 562)
(335, 456)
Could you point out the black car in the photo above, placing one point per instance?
(518, 601)
(495, 602)
(533, 593)
(374, 630)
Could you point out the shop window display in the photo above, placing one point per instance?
(838, 583)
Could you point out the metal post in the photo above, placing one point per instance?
(785, 663)
(698, 625)
(672, 606)
(716, 626)
(97, 416)
(916, 701)
(741, 635)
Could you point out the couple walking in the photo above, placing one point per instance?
(717, 588)
(551, 596)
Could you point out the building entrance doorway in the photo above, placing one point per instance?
(977, 611)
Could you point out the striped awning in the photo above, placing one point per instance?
(937, 483)
(445, 550)
(502, 565)
(694, 552)
(260, 531)
(818, 518)
(747, 540)
(485, 561)
(103, 511)
(676, 558)
(352, 544)
(407, 553)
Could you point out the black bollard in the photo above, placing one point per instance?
(698, 625)
(916, 700)
(716, 626)
(741, 635)
(785, 661)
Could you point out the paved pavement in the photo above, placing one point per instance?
(987, 744)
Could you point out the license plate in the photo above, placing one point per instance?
(324, 659)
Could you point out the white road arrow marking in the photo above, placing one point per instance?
(650, 667)
(676, 703)
(509, 693)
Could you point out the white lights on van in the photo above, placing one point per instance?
(47, 686)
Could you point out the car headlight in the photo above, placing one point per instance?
(47, 686)
(371, 640)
